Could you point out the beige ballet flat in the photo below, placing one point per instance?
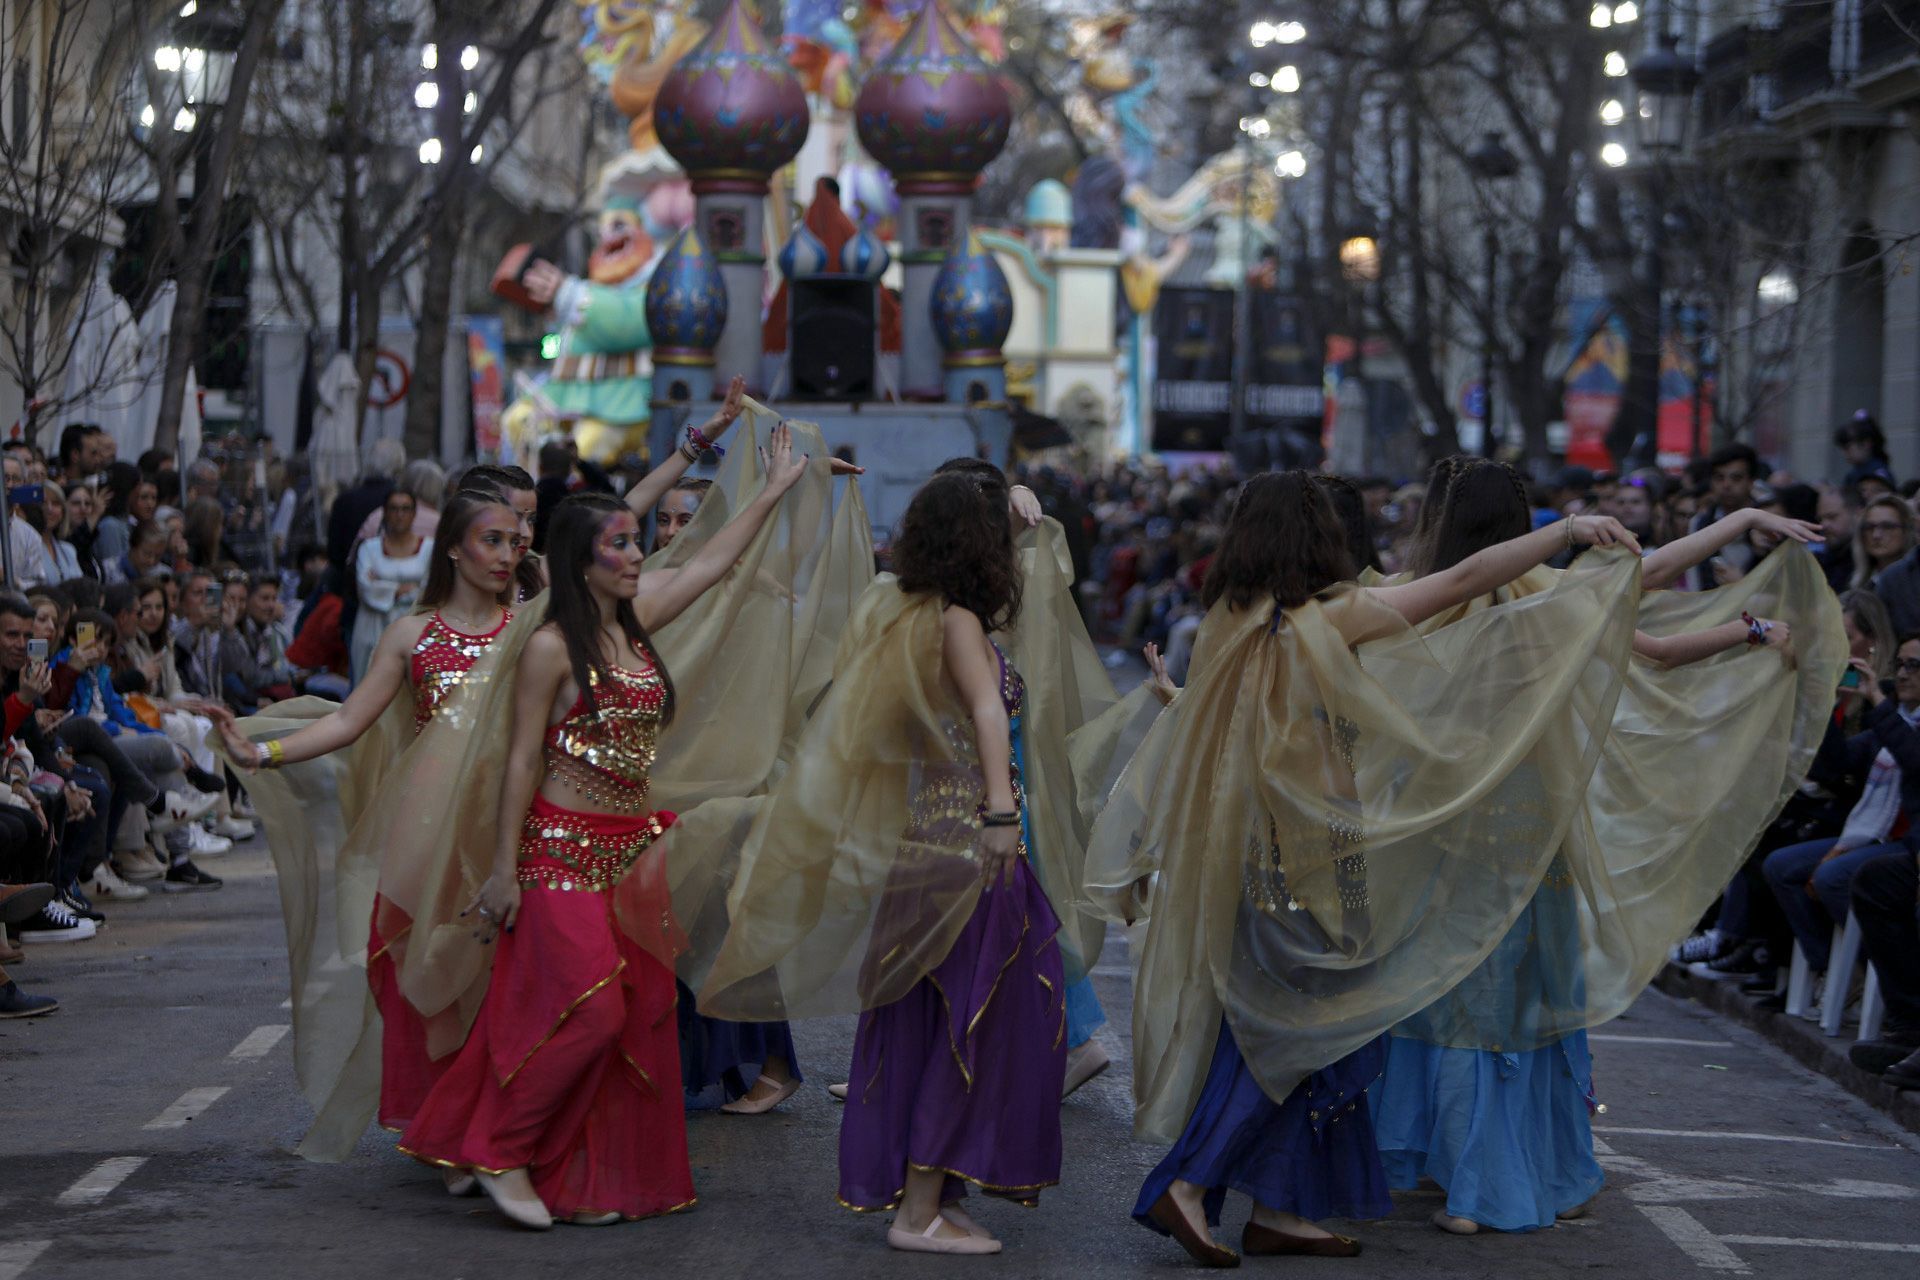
(523, 1207)
(926, 1242)
(1455, 1226)
(460, 1183)
(1083, 1064)
(748, 1106)
(838, 1092)
(586, 1219)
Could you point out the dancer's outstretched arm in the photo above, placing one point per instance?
(1664, 565)
(385, 678)
(1692, 646)
(666, 594)
(646, 494)
(1498, 565)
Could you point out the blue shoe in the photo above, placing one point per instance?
(15, 1003)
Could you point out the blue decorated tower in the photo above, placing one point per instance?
(972, 314)
(686, 314)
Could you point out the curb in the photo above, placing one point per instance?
(1801, 1040)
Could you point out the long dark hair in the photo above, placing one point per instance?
(1283, 543)
(571, 531)
(122, 479)
(1472, 504)
(455, 520)
(1351, 509)
(956, 542)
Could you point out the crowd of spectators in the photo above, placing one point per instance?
(1143, 535)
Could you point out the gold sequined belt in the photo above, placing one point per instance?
(615, 794)
(564, 849)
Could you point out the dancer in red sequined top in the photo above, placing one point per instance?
(463, 608)
(565, 1099)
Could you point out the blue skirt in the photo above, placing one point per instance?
(1508, 1135)
(720, 1061)
(1084, 1014)
(1312, 1155)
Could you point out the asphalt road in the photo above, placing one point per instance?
(148, 1125)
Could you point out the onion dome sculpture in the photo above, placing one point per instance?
(931, 111)
(686, 302)
(732, 111)
(972, 305)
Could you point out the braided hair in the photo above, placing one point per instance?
(1472, 504)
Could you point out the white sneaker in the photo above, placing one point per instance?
(235, 829)
(57, 922)
(139, 864)
(106, 883)
(178, 810)
(202, 843)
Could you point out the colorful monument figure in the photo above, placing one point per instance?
(732, 113)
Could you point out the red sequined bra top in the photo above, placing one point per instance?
(440, 663)
(606, 754)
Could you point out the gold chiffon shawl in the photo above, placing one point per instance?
(1699, 761)
(1345, 817)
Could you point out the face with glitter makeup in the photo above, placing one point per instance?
(525, 504)
(491, 549)
(614, 571)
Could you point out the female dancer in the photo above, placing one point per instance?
(463, 608)
(564, 1099)
(752, 1066)
(906, 797)
(1505, 1130)
(1306, 883)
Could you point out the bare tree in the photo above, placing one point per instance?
(66, 155)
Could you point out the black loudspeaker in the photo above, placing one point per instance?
(832, 333)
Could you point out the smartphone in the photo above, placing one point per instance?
(36, 650)
(216, 594)
(85, 633)
(1851, 680)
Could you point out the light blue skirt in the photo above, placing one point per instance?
(1507, 1135)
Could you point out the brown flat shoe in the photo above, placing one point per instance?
(1167, 1215)
(1264, 1242)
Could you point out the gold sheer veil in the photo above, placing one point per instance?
(1342, 831)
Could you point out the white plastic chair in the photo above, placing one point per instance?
(1847, 942)
(1799, 983)
(1872, 1009)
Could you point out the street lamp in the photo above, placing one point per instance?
(1491, 163)
(1664, 82)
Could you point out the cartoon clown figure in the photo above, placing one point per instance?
(601, 379)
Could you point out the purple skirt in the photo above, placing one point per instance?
(962, 1075)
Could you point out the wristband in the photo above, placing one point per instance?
(272, 754)
(1756, 629)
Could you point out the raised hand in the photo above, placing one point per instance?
(1026, 506)
(1158, 680)
(729, 411)
(1784, 526)
(783, 466)
(1602, 531)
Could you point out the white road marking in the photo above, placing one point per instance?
(1689, 1044)
(1747, 1137)
(259, 1042)
(1869, 1246)
(186, 1107)
(19, 1255)
(98, 1182)
(1706, 1249)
